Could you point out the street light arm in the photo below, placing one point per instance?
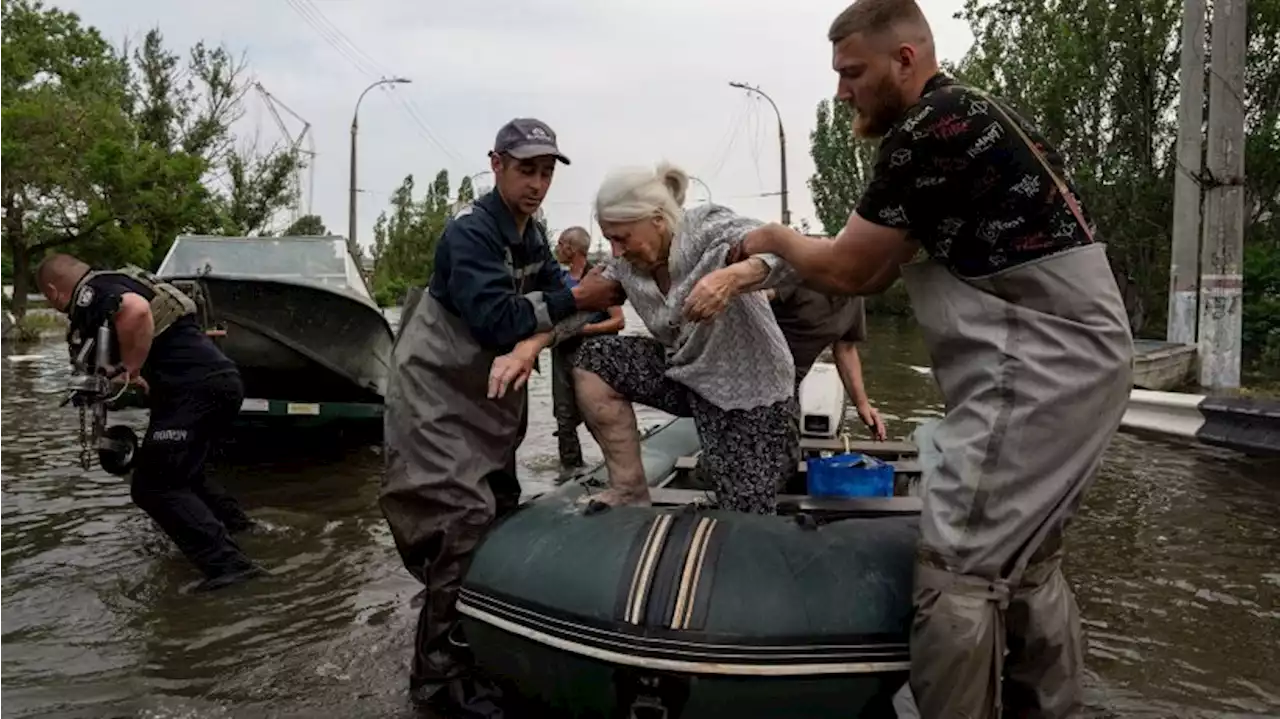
(383, 81)
(761, 93)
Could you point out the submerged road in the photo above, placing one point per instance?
(1174, 561)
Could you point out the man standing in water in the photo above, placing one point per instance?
(571, 251)
(193, 391)
(450, 440)
(1030, 345)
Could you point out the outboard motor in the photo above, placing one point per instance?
(117, 446)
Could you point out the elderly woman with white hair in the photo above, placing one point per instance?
(733, 374)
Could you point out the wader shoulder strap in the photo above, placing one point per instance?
(1063, 190)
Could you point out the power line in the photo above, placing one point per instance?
(364, 63)
(717, 154)
(757, 139)
(743, 112)
(328, 36)
(342, 37)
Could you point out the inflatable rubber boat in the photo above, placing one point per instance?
(677, 610)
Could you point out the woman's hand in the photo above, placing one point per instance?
(711, 295)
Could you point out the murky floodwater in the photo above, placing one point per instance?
(1176, 561)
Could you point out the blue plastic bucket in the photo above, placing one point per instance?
(849, 475)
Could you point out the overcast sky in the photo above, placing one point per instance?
(620, 81)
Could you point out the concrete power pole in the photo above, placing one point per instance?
(1221, 253)
(1184, 268)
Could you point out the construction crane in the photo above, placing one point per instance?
(273, 103)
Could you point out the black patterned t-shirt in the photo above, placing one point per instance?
(963, 182)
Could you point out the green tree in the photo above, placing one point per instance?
(67, 154)
(110, 154)
(307, 225)
(404, 240)
(182, 113)
(257, 187)
(186, 110)
(466, 191)
(1100, 79)
(842, 165)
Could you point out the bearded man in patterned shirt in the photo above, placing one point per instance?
(1030, 344)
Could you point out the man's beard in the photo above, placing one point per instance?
(889, 109)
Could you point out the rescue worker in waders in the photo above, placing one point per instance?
(452, 426)
(193, 391)
(1031, 348)
(571, 253)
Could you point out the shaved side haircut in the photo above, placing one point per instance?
(59, 269)
(876, 18)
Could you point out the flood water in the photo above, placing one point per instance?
(1175, 560)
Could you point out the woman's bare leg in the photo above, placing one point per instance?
(612, 422)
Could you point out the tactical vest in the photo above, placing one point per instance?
(168, 303)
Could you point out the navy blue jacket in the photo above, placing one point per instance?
(472, 280)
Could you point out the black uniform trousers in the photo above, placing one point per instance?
(169, 481)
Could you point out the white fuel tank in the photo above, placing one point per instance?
(822, 402)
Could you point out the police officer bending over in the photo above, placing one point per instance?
(450, 432)
(194, 393)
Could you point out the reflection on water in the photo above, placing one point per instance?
(1175, 563)
(1174, 559)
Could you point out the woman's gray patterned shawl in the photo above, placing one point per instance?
(740, 359)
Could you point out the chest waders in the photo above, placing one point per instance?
(1035, 366)
(449, 462)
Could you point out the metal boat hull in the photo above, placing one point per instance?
(301, 342)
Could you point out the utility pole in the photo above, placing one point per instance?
(1221, 281)
(782, 147)
(1184, 259)
(352, 245)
